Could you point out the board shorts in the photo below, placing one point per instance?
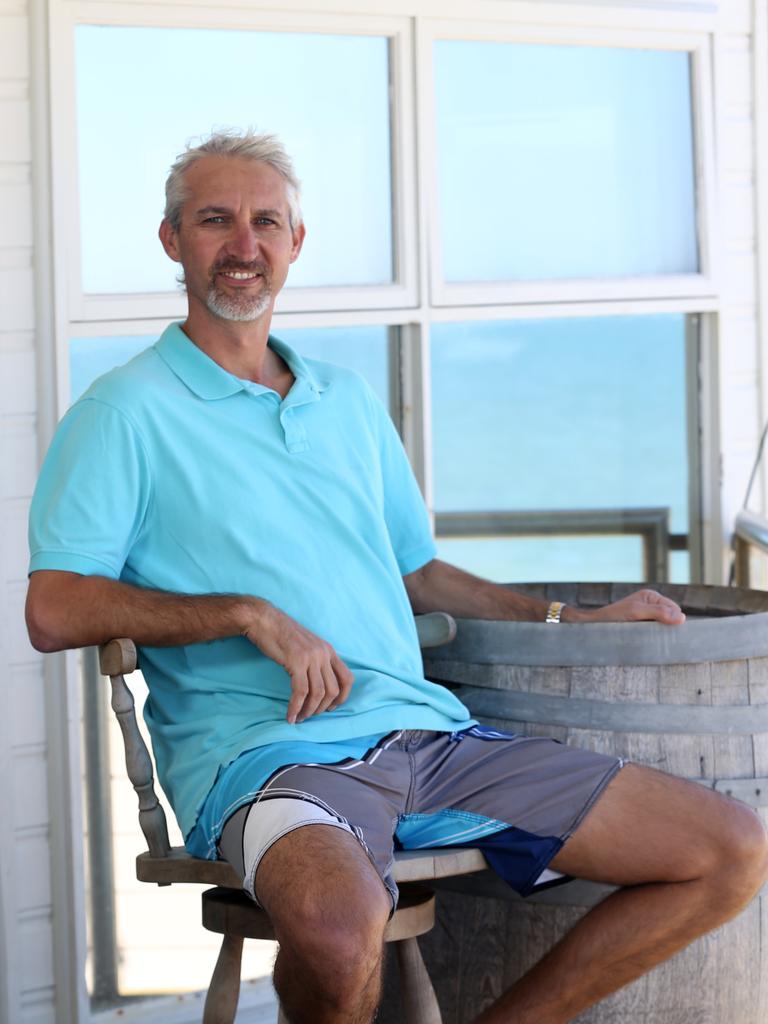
(517, 799)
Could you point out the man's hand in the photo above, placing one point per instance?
(320, 681)
(643, 605)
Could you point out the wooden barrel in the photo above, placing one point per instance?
(691, 700)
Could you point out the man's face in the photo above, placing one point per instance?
(235, 241)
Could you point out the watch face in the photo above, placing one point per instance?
(554, 611)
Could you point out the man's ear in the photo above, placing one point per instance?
(169, 237)
(298, 241)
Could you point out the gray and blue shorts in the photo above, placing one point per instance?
(516, 798)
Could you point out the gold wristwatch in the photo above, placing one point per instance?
(554, 611)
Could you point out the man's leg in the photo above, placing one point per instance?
(329, 909)
(690, 859)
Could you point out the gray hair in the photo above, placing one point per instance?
(258, 146)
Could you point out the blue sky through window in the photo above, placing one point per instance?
(564, 161)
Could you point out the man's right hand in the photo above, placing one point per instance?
(320, 681)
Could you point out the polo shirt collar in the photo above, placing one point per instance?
(209, 381)
(308, 386)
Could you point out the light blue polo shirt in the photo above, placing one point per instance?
(172, 474)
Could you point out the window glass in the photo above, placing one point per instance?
(142, 93)
(564, 161)
(89, 358)
(679, 567)
(558, 415)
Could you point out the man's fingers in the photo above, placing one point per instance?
(649, 605)
(670, 614)
(315, 693)
(345, 680)
(299, 691)
(320, 680)
(662, 609)
(331, 689)
(641, 606)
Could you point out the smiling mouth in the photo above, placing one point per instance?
(239, 275)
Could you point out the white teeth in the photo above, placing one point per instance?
(240, 275)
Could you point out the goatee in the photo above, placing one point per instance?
(239, 307)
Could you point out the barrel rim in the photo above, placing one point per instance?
(715, 599)
(569, 644)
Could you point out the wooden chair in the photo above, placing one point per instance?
(226, 908)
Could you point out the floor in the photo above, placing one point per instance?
(257, 1006)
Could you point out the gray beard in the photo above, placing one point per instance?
(238, 308)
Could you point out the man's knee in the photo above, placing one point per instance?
(727, 846)
(335, 948)
(736, 858)
(727, 842)
(348, 930)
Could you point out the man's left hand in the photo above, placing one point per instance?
(643, 605)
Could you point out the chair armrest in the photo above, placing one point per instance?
(117, 658)
(435, 629)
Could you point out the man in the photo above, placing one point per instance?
(250, 519)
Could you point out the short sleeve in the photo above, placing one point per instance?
(92, 495)
(405, 513)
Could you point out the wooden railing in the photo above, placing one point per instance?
(650, 524)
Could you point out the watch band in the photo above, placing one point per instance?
(554, 611)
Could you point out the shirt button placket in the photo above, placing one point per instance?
(295, 435)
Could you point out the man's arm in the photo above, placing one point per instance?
(438, 586)
(65, 610)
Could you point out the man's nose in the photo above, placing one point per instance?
(243, 242)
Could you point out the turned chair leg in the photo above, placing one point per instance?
(419, 1000)
(224, 990)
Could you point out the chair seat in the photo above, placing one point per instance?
(233, 913)
(410, 866)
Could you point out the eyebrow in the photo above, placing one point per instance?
(206, 211)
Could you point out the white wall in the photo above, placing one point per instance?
(741, 406)
(26, 945)
(26, 954)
